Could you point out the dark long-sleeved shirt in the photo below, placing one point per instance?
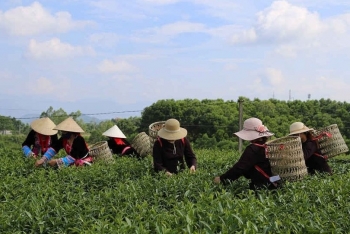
(118, 149)
(78, 148)
(168, 156)
(312, 160)
(32, 142)
(252, 155)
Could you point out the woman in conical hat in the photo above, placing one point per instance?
(172, 150)
(72, 142)
(39, 138)
(253, 163)
(117, 142)
(314, 159)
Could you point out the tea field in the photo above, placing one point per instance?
(127, 197)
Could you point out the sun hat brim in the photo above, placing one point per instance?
(306, 129)
(175, 135)
(44, 126)
(250, 135)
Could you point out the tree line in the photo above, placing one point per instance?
(211, 123)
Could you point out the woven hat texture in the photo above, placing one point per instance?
(298, 127)
(172, 130)
(69, 125)
(114, 132)
(44, 126)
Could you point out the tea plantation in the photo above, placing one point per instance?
(127, 197)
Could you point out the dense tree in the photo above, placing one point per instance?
(57, 116)
(12, 124)
(217, 119)
(206, 142)
(211, 123)
(128, 126)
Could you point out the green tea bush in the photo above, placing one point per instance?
(11, 141)
(128, 197)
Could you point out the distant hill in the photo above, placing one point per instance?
(28, 118)
(89, 119)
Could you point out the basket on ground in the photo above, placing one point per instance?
(330, 140)
(141, 144)
(287, 158)
(101, 152)
(153, 131)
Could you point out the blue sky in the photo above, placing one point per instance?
(101, 56)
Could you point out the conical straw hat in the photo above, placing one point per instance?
(114, 132)
(44, 126)
(69, 125)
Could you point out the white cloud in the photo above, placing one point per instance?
(321, 3)
(129, 10)
(340, 24)
(246, 36)
(178, 28)
(134, 57)
(35, 19)
(274, 76)
(58, 88)
(162, 2)
(223, 32)
(218, 8)
(227, 64)
(293, 30)
(108, 66)
(226, 9)
(287, 51)
(230, 67)
(334, 88)
(282, 22)
(104, 39)
(168, 31)
(5, 76)
(264, 84)
(54, 48)
(43, 85)
(7, 80)
(16, 2)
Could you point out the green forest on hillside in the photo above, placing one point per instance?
(211, 123)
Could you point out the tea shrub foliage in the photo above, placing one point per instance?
(128, 197)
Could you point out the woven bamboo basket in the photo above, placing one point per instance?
(153, 131)
(141, 143)
(101, 152)
(330, 140)
(287, 158)
(151, 141)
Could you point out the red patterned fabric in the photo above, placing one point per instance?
(42, 143)
(67, 147)
(81, 162)
(119, 141)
